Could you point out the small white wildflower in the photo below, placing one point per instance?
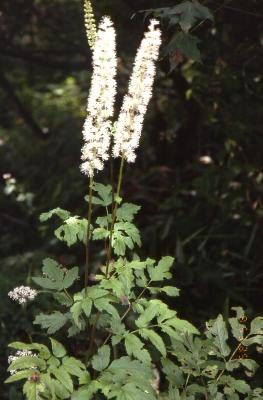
(22, 294)
(100, 108)
(18, 354)
(130, 122)
(206, 160)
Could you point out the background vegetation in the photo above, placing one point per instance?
(199, 174)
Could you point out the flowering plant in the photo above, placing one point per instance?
(135, 347)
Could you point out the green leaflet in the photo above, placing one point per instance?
(147, 316)
(125, 235)
(256, 326)
(182, 325)
(52, 322)
(27, 362)
(161, 271)
(32, 390)
(57, 348)
(155, 339)
(104, 304)
(217, 329)
(105, 194)
(101, 360)
(74, 367)
(86, 392)
(73, 229)
(56, 278)
(186, 14)
(135, 347)
(25, 374)
(59, 212)
(41, 348)
(126, 212)
(185, 43)
(62, 375)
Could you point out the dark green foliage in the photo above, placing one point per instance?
(208, 216)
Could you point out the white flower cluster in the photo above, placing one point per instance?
(100, 108)
(20, 353)
(22, 294)
(130, 122)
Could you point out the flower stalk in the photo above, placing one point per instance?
(88, 235)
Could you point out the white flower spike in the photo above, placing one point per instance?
(100, 108)
(130, 122)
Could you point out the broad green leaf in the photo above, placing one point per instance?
(70, 277)
(186, 44)
(256, 326)
(27, 362)
(100, 234)
(41, 348)
(174, 374)
(52, 322)
(134, 368)
(30, 390)
(147, 316)
(236, 384)
(155, 339)
(76, 311)
(256, 339)
(63, 299)
(73, 229)
(52, 269)
(186, 14)
(74, 367)
(182, 325)
(104, 222)
(53, 362)
(87, 306)
(63, 377)
(127, 211)
(57, 348)
(161, 271)
(101, 360)
(62, 214)
(47, 283)
(171, 291)
(103, 304)
(86, 392)
(173, 334)
(25, 374)
(131, 392)
(219, 331)
(48, 382)
(60, 390)
(134, 347)
(125, 235)
(95, 292)
(104, 193)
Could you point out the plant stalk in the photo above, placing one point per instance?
(113, 219)
(88, 235)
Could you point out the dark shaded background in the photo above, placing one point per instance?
(209, 216)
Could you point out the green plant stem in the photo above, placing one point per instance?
(88, 235)
(93, 332)
(127, 311)
(113, 219)
(68, 295)
(232, 356)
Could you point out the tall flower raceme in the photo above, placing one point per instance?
(100, 108)
(130, 122)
